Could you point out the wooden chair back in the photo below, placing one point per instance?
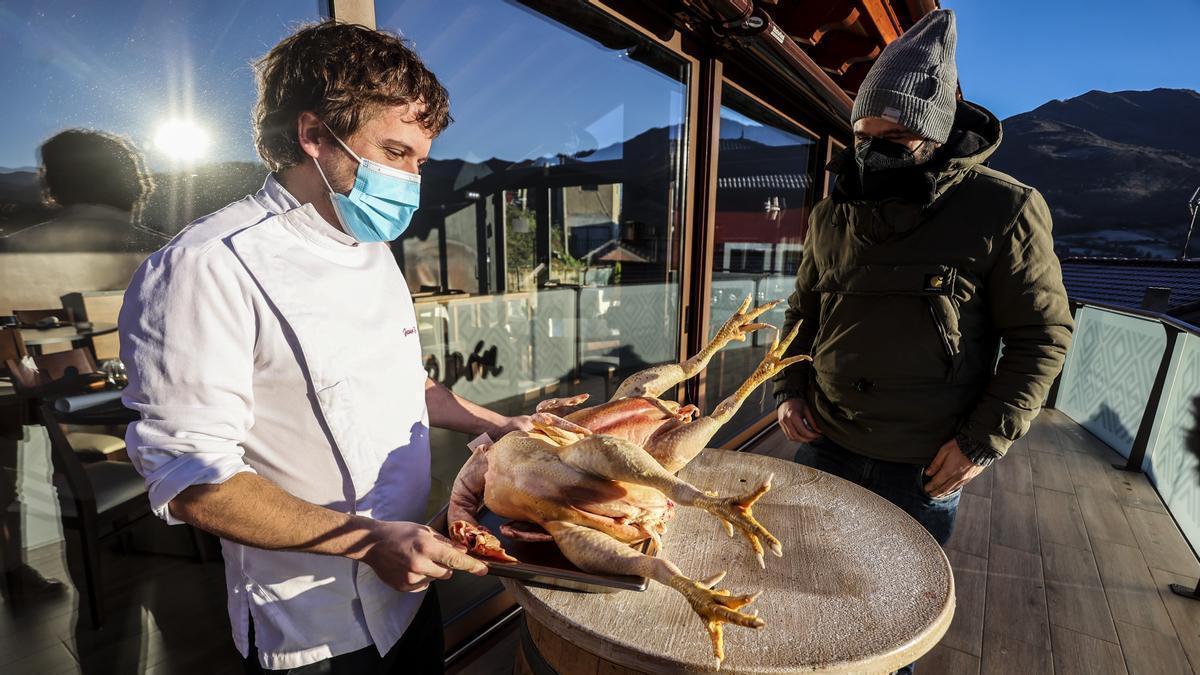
(50, 367)
(98, 307)
(12, 348)
(58, 365)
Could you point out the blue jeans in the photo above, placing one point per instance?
(900, 484)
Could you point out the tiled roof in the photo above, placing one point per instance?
(1123, 281)
(770, 181)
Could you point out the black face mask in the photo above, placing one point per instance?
(877, 154)
(889, 170)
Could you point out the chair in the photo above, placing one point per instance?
(29, 317)
(103, 307)
(66, 374)
(12, 348)
(74, 363)
(99, 500)
(12, 406)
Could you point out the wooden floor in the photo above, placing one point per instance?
(1062, 564)
(165, 614)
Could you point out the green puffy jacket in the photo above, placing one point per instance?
(905, 306)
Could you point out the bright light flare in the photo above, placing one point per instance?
(181, 140)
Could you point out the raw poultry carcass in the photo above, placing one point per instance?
(599, 479)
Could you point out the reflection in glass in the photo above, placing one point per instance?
(765, 170)
(172, 81)
(123, 121)
(546, 240)
(544, 256)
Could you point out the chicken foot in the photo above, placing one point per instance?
(596, 552)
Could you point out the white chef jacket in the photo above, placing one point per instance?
(263, 339)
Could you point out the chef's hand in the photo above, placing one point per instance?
(408, 556)
(951, 469)
(797, 421)
(514, 423)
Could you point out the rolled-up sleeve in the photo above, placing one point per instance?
(187, 338)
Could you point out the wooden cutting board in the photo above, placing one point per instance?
(862, 587)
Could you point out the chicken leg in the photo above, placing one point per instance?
(654, 381)
(596, 552)
(677, 446)
(619, 460)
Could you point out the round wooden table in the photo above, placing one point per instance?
(37, 338)
(862, 587)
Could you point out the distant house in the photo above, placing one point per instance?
(1167, 286)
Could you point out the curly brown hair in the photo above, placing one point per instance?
(344, 73)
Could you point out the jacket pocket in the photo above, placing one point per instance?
(945, 314)
(881, 321)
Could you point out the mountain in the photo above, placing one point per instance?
(1116, 168)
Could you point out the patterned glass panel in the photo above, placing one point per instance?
(1174, 462)
(1109, 372)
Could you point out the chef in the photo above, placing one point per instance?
(273, 356)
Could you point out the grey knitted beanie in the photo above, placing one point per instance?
(913, 82)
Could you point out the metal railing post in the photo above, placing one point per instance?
(1180, 589)
(1141, 442)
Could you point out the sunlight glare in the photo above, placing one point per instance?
(181, 140)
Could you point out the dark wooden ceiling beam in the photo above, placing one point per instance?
(806, 23)
(838, 50)
(882, 19)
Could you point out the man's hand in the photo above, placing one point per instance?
(408, 556)
(951, 469)
(797, 421)
(508, 424)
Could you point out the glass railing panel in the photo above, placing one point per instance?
(1174, 465)
(1109, 372)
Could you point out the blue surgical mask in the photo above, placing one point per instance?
(382, 202)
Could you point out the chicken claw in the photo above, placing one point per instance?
(717, 607)
(561, 405)
(739, 512)
(479, 540)
(743, 323)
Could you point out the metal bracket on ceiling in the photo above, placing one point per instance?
(752, 22)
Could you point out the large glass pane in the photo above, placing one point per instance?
(765, 169)
(125, 121)
(160, 94)
(1174, 466)
(544, 258)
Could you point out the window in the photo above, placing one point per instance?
(765, 168)
(549, 225)
(544, 258)
(165, 86)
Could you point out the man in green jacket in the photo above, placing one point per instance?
(917, 267)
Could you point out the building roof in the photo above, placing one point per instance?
(1123, 281)
(770, 181)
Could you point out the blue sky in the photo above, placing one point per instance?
(1014, 55)
(521, 86)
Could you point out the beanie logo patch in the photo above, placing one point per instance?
(891, 114)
